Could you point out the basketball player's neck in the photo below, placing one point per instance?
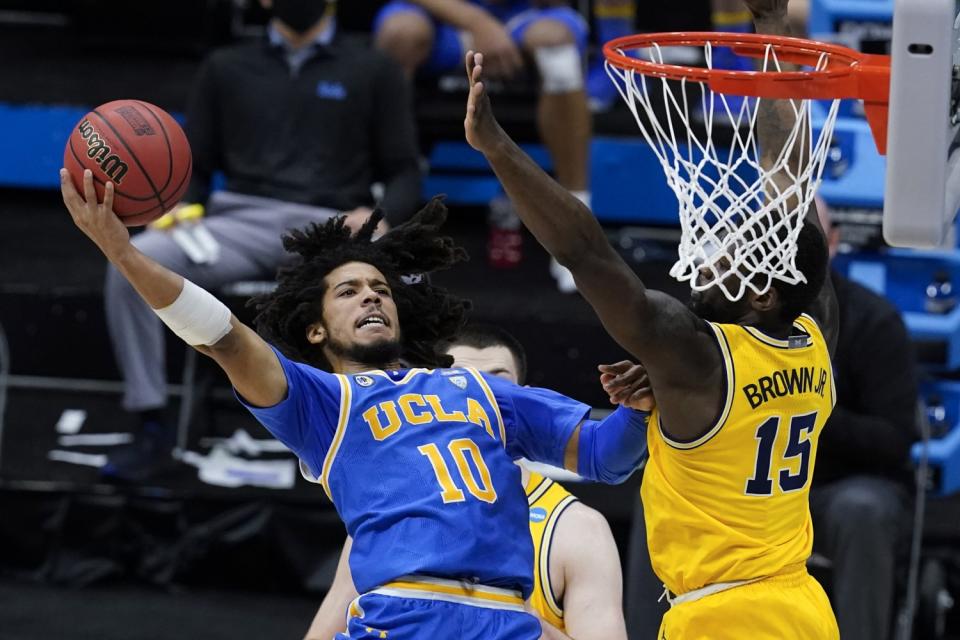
(764, 315)
(350, 362)
(351, 357)
(299, 40)
(773, 327)
(347, 366)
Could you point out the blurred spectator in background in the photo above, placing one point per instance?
(800, 16)
(434, 35)
(301, 124)
(731, 16)
(617, 18)
(860, 499)
(611, 19)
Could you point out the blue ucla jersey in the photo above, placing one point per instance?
(419, 465)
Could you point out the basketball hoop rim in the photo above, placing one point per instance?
(842, 78)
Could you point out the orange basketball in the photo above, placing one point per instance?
(141, 149)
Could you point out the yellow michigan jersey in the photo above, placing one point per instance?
(547, 500)
(733, 505)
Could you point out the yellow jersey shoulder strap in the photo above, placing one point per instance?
(536, 485)
(547, 501)
(809, 324)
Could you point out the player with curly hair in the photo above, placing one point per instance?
(417, 461)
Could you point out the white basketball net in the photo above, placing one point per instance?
(739, 228)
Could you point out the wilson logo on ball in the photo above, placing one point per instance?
(99, 152)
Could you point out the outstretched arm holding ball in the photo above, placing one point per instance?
(192, 313)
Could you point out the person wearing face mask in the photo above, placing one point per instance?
(301, 124)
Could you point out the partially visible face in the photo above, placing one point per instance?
(298, 15)
(497, 360)
(360, 320)
(711, 304)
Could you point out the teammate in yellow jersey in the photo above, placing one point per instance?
(743, 390)
(576, 594)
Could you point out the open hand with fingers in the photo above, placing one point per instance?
(482, 130)
(96, 220)
(627, 385)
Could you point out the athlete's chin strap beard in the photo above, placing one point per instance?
(708, 311)
(717, 308)
(377, 355)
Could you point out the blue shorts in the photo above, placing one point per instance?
(434, 615)
(448, 50)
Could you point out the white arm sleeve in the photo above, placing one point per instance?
(196, 316)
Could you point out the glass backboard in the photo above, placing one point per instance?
(922, 189)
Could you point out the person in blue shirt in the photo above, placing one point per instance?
(417, 458)
(432, 36)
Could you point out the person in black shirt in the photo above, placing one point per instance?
(301, 125)
(860, 497)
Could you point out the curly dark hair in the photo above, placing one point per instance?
(813, 261)
(429, 316)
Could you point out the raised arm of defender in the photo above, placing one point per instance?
(775, 121)
(677, 348)
(191, 312)
(650, 325)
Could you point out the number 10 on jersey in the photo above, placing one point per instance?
(461, 449)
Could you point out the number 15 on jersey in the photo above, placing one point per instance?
(798, 446)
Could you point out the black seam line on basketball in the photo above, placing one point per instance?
(166, 139)
(183, 179)
(99, 181)
(103, 182)
(146, 211)
(134, 157)
(135, 221)
(141, 212)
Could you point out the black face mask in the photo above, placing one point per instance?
(299, 15)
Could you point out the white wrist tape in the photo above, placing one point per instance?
(196, 316)
(561, 69)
